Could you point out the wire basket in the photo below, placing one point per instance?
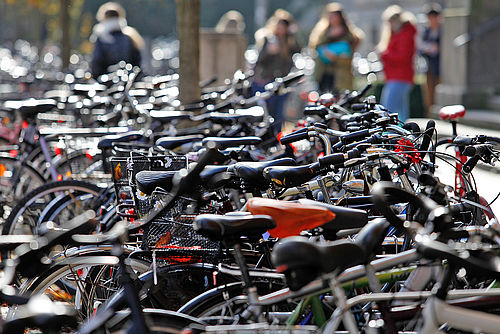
(177, 241)
(138, 163)
(124, 170)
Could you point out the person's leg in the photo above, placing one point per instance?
(395, 97)
(277, 111)
(326, 83)
(405, 96)
(432, 82)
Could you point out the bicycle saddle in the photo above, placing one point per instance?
(147, 181)
(371, 236)
(85, 89)
(232, 226)
(302, 260)
(288, 177)
(291, 217)
(452, 112)
(107, 141)
(171, 143)
(252, 172)
(345, 218)
(30, 108)
(250, 115)
(223, 142)
(166, 116)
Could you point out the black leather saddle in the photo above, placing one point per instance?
(86, 89)
(166, 116)
(171, 143)
(107, 141)
(214, 177)
(30, 108)
(147, 181)
(252, 172)
(223, 142)
(302, 260)
(345, 218)
(249, 115)
(288, 177)
(231, 227)
(371, 237)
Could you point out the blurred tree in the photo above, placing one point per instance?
(188, 27)
(65, 33)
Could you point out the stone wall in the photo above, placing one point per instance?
(221, 54)
(470, 74)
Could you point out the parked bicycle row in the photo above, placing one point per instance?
(123, 210)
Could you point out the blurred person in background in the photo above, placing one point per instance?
(276, 43)
(397, 50)
(113, 39)
(335, 39)
(430, 50)
(231, 22)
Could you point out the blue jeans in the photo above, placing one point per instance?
(275, 107)
(396, 98)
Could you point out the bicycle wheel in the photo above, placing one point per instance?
(80, 165)
(84, 282)
(28, 213)
(222, 303)
(11, 190)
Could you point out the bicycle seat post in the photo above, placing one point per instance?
(454, 128)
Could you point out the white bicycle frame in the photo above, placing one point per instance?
(437, 312)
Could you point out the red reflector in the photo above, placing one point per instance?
(80, 272)
(281, 268)
(313, 97)
(321, 155)
(25, 124)
(58, 150)
(13, 153)
(89, 155)
(59, 177)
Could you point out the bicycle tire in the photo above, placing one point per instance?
(46, 189)
(213, 301)
(28, 181)
(79, 165)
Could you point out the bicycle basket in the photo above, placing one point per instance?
(137, 163)
(177, 242)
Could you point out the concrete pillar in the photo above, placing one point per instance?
(470, 74)
(221, 54)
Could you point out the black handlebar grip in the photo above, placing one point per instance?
(321, 111)
(463, 140)
(429, 131)
(350, 137)
(363, 92)
(294, 136)
(358, 106)
(469, 151)
(292, 77)
(332, 159)
(352, 154)
(470, 164)
(412, 126)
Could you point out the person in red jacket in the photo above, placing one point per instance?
(397, 49)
